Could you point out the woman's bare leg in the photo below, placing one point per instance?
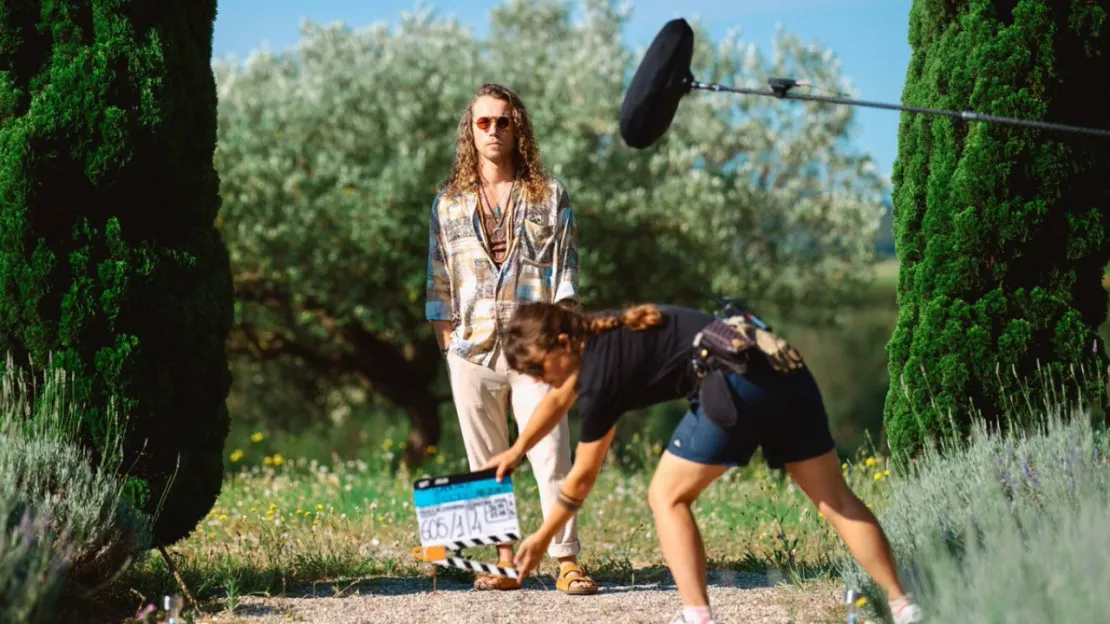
(676, 485)
(820, 478)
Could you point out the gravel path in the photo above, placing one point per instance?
(750, 598)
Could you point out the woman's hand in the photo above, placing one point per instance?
(505, 462)
(530, 553)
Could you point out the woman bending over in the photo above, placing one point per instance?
(613, 363)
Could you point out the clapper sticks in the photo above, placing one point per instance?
(465, 510)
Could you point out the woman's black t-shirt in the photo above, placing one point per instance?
(624, 370)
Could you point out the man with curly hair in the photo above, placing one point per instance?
(501, 232)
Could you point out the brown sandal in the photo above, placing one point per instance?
(577, 585)
(488, 582)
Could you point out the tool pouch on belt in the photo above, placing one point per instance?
(728, 345)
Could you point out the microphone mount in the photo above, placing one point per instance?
(780, 88)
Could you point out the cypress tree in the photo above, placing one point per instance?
(110, 262)
(1001, 231)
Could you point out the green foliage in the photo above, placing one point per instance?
(109, 258)
(1001, 232)
(66, 527)
(329, 157)
(1005, 527)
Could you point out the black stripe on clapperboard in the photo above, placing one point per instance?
(474, 566)
(464, 477)
(489, 540)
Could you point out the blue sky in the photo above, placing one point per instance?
(869, 36)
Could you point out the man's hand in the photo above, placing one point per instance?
(530, 553)
(505, 462)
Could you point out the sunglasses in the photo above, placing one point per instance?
(484, 122)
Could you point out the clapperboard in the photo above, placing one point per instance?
(463, 510)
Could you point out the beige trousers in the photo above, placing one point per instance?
(482, 396)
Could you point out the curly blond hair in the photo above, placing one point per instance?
(526, 154)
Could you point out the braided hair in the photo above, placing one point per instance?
(536, 326)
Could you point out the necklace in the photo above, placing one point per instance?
(498, 218)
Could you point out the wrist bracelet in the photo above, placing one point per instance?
(569, 502)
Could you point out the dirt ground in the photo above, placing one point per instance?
(736, 597)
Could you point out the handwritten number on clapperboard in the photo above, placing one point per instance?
(453, 526)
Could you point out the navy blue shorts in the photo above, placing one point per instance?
(782, 414)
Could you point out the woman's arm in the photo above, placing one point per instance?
(551, 409)
(548, 414)
(576, 487)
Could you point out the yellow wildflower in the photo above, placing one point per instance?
(432, 450)
(267, 461)
(254, 509)
(878, 476)
(319, 507)
(886, 473)
(844, 467)
(223, 517)
(871, 462)
(388, 444)
(236, 455)
(257, 437)
(278, 459)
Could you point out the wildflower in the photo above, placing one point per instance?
(432, 450)
(257, 437)
(236, 455)
(267, 461)
(278, 459)
(886, 473)
(254, 509)
(820, 515)
(387, 444)
(878, 476)
(871, 462)
(844, 467)
(861, 601)
(222, 517)
(319, 507)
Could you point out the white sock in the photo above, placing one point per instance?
(896, 606)
(698, 615)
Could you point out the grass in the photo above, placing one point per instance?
(279, 527)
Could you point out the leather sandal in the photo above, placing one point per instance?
(577, 585)
(487, 582)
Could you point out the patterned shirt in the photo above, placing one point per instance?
(467, 288)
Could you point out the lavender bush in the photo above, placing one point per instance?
(65, 525)
(1007, 526)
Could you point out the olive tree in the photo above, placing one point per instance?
(330, 155)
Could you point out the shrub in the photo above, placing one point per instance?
(109, 255)
(1008, 527)
(65, 523)
(1002, 232)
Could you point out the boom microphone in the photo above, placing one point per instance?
(661, 80)
(664, 77)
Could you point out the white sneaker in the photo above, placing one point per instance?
(681, 619)
(912, 614)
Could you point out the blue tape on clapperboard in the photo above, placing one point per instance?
(453, 488)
